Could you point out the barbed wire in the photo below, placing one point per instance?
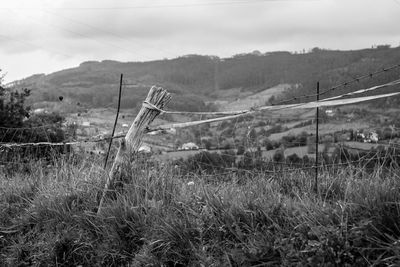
(234, 114)
(270, 163)
(170, 127)
(31, 127)
(308, 105)
(231, 170)
(353, 80)
(75, 142)
(272, 107)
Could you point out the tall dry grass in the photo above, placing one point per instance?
(161, 217)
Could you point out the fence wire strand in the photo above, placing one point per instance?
(336, 100)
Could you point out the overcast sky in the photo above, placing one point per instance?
(43, 36)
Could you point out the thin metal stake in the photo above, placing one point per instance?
(115, 122)
(316, 143)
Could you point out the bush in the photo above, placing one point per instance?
(293, 158)
(206, 161)
(207, 144)
(12, 110)
(289, 141)
(18, 126)
(263, 132)
(301, 139)
(268, 144)
(279, 156)
(387, 133)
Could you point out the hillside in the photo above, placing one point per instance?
(195, 80)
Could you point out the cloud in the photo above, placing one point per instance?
(68, 31)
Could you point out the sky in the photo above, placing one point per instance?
(44, 36)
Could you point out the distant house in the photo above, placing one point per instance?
(39, 111)
(85, 123)
(372, 137)
(125, 125)
(368, 137)
(189, 146)
(144, 149)
(330, 112)
(360, 136)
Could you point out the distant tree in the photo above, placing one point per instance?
(177, 144)
(271, 100)
(279, 156)
(13, 112)
(17, 126)
(268, 144)
(301, 139)
(316, 50)
(207, 143)
(12, 108)
(387, 133)
(252, 135)
(52, 132)
(351, 131)
(293, 158)
(289, 140)
(306, 159)
(263, 132)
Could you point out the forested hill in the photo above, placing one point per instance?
(194, 79)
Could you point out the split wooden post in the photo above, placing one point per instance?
(155, 102)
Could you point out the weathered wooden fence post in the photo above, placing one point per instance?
(156, 100)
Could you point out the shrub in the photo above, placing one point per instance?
(279, 156)
(207, 143)
(12, 110)
(268, 144)
(17, 126)
(301, 139)
(206, 161)
(293, 158)
(289, 140)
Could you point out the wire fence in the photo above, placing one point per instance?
(344, 84)
(233, 116)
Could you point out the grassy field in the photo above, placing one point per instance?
(243, 102)
(161, 217)
(325, 128)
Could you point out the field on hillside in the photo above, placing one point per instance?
(243, 102)
(324, 128)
